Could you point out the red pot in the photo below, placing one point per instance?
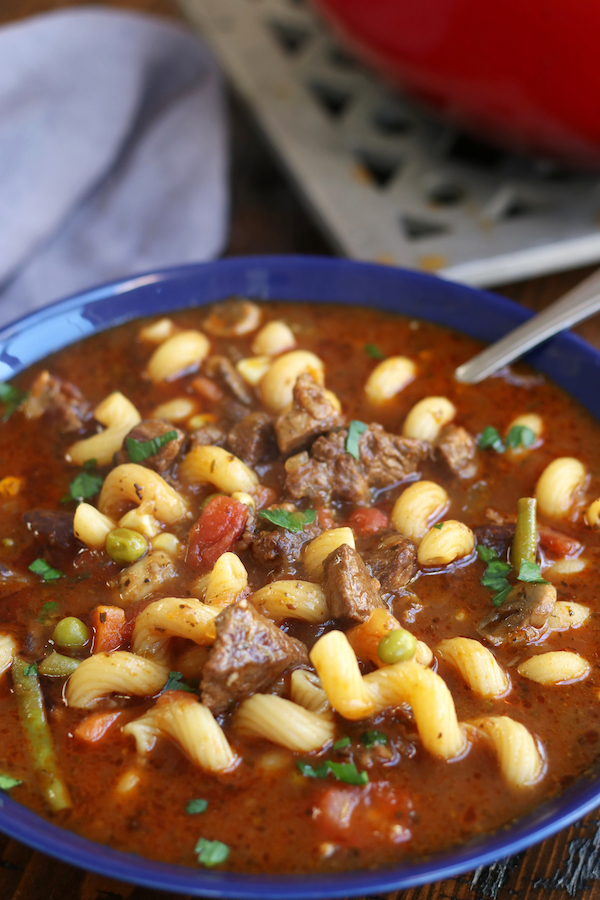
(525, 73)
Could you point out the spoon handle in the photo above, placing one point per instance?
(579, 303)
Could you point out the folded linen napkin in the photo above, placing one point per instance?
(113, 154)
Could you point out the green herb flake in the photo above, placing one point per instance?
(195, 807)
(494, 577)
(175, 682)
(346, 772)
(373, 351)
(343, 742)
(211, 853)
(371, 738)
(47, 573)
(292, 521)
(490, 437)
(354, 432)
(47, 611)
(140, 450)
(6, 782)
(84, 486)
(31, 669)
(530, 572)
(439, 526)
(11, 397)
(520, 435)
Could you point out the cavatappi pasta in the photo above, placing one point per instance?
(259, 563)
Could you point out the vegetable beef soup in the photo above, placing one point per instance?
(277, 594)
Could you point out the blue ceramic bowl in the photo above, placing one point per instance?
(566, 359)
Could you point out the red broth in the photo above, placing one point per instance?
(413, 802)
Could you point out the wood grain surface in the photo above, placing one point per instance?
(267, 218)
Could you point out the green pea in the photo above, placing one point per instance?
(397, 646)
(124, 545)
(71, 632)
(207, 500)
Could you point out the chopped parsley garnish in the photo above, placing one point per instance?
(41, 567)
(371, 738)
(529, 571)
(175, 682)
(211, 853)
(31, 669)
(354, 432)
(195, 807)
(85, 485)
(140, 450)
(439, 526)
(490, 437)
(494, 578)
(343, 742)
(346, 772)
(11, 397)
(519, 435)
(292, 521)
(47, 611)
(374, 352)
(6, 783)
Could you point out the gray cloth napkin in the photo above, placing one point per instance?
(113, 152)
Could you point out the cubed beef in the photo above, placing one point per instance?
(58, 398)
(250, 652)
(496, 537)
(53, 527)
(210, 434)
(350, 591)
(388, 458)
(221, 370)
(330, 472)
(148, 430)
(310, 415)
(523, 616)
(391, 558)
(253, 439)
(458, 450)
(278, 550)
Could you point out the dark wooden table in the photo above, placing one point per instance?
(267, 218)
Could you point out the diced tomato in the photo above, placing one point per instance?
(325, 519)
(556, 544)
(368, 521)
(363, 816)
(108, 623)
(208, 389)
(94, 727)
(216, 531)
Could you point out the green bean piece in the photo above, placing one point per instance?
(30, 702)
(71, 632)
(398, 645)
(124, 545)
(58, 666)
(524, 545)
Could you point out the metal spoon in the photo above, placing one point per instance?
(578, 304)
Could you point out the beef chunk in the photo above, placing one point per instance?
(497, 537)
(53, 527)
(253, 439)
(221, 370)
(350, 591)
(249, 653)
(391, 558)
(523, 617)
(58, 398)
(310, 415)
(330, 472)
(209, 434)
(279, 550)
(148, 430)
(388, 458)
(458, 450)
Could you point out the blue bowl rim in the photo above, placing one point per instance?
(567, 359)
